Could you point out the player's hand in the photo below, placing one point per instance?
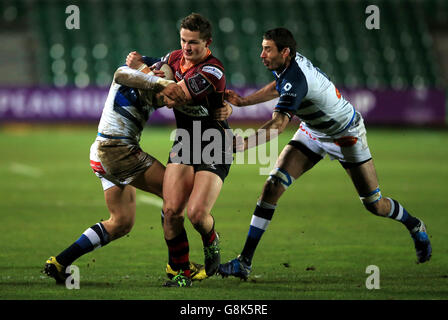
(223, 113)
(157, 72)
(176, 94)
(238, 143)
(134, 60)
(234, 98)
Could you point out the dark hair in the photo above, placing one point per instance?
(196, 22)
(282, 38)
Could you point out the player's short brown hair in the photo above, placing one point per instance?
(282, 38)
(197, 22)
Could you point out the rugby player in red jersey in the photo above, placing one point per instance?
(192, 181)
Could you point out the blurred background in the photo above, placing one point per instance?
(394, 75)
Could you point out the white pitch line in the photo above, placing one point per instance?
(150, 200)
(25, 170)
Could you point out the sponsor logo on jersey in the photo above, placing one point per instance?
(214, 71)
(178, 75)
(338, 94)
(291, 94)
(198, 84)
(194, 111)
(287, 86)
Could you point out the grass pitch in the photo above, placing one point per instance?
(318, 244)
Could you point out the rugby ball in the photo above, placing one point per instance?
(163, 66)
(151, 97)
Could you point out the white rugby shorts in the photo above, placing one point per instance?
(118, 163)
(348, 146)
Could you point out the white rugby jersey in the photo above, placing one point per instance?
(305, 91)
(126, 111)
(124, 114)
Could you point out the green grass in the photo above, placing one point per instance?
(49, 196)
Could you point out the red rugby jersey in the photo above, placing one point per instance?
(206, 83)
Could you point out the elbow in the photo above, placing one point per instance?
(118, 76)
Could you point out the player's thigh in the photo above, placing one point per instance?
(294, 161)
(120, 201)
(364, 177)
(152, 179)
(177, 185)
(206, 189)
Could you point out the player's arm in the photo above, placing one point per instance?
(135, 60)
(287, 105)
(265, 133)
(205, 86)
(266, 93)
(139, 80)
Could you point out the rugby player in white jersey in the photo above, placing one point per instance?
(120, 163)
(329, 125)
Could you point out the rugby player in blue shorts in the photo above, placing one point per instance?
(329, 125)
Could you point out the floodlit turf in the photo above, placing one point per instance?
(318, 244)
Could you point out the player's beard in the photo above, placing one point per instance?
(277, 67)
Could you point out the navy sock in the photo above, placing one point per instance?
(261, 218)
(94, 237)
(397, 212)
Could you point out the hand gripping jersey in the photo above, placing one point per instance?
(305, 91)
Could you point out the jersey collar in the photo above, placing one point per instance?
(278, 75)
(182, 61)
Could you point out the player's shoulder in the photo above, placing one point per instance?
(212, 67)
(212, 60)
(294, 74)
(173, 56)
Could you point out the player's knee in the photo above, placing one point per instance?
(196, 215)
(375, 203)
(173, 215)
(172, 211)
(279, 180)
(119, 226)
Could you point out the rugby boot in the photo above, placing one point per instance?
(179, 280)
(421, 241)
(55, 270)
(197, 271)
(212, 257)
(237, 267)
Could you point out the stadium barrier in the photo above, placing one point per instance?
(424, 107)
